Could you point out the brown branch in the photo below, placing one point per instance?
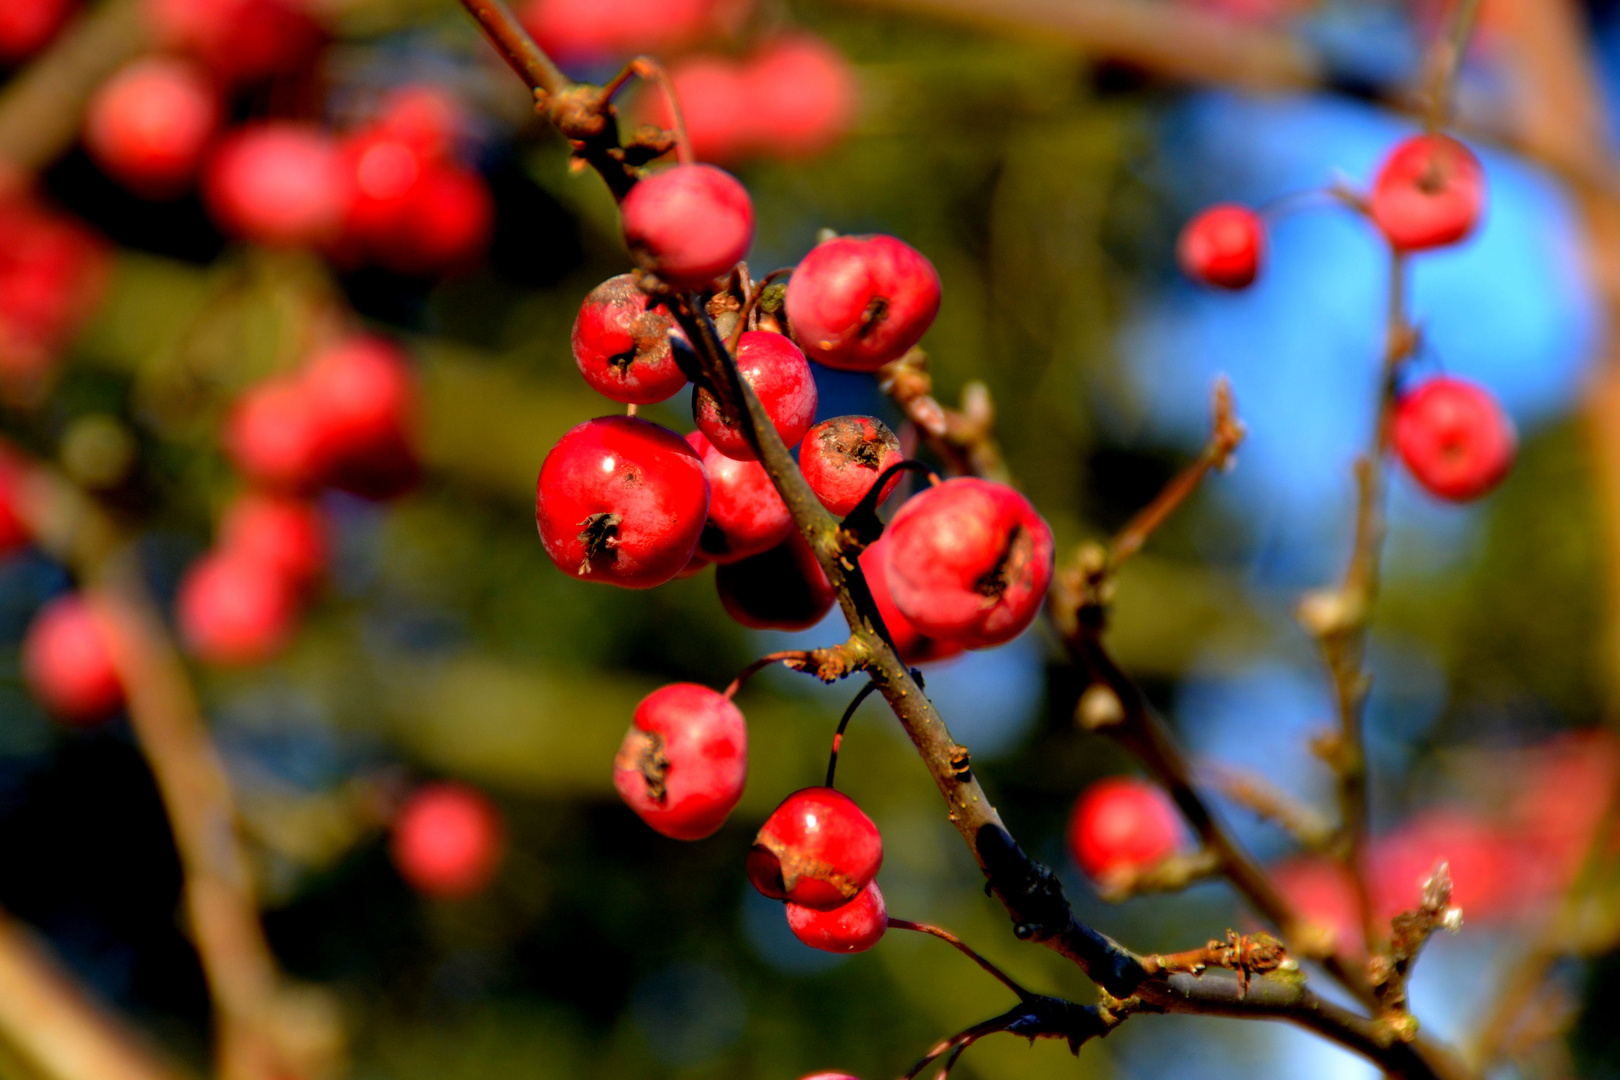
(1412, 930)
(1270, 803)
(962, 438)
(1445, 60)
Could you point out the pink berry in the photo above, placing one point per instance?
(67, 659)
(1429, 192)
(234, 610)
(241, 40)
(858, 302)
(622, 501)
(384, 170)
(362, 391)
(716, 102)
(26, 26)
(598, 31)
(781, 589)
(148, 125)
(447, 841)
(911, 644)
(274, 437)
(286, 535)
(853, 928)
(1454, 438)
(622, 345)
(817, 850)
(746, 515)
(1120, 825)
(801, 93)
(684, 762)
(1222, 247)
(830, 1076)
(449, 216)
(688, 224)
(781, 379)
(842, 458)
(279, 183)
(425, 117)
(969, 561)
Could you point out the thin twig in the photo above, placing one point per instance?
(843, 722)
(795, 658)
(1446, 62)
(966, 950)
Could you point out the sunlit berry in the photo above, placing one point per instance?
(781, 589)
(622, 501)
(801, 94)
(911, 644)
(852, 928)
(683, 763)
(1454, 438)
(746, 515)
(688, 224)
(1223, 247)
(843, 457)
(597, 31)
(362, 390)
(857, 302)
(969, 561)
(287, 535)
(234, 610)
(447, 841)
(148, 125)
(69, 664)
(622, 345)
(782, 381)
(280, 183)
(1120, 825)
(1429, 192)
(817, 849)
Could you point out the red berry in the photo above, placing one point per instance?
(830, 1076)
(781, 589)
(623, 501)
(234, 610)
(15, 533)
(447, 841)
(362, 391)
(688, 224)
(746, 515)
(1429, 192)
(241, 40)
(274, 437)
(622, 347)
(384, 170)
(842, 458)
(285, 535)
(683, 764)
(858, 302)
(801, 93)
(1222, 247)
(912, 645)
(970, 561)
(26, 26)
(278, 183)
(1454, 438)
(782, 381)
(67, 658)
(817, 850)
(148, 125)
(1321, 891)
(596, 31)
(1120, 825)
(449, 217)
(425, 117)
(716, 103)
(52, 274)
(853, 928)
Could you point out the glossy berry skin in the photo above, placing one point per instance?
(857, 302)
(1429, 193)
(149, 125)
(912, 645)
(969, 561)
(68, 662)
(1121, 824)
(1222, 247)
(1454, 438)
(688, 224)
(746, 515)
(781, 589)
(622, 347)
(782, 380)
(842, 458)
(234, 610)
(362, 391)
(684, 761)
(621, 501)
(853, 928)
(802, 95)
(817, 850)
(285, 535)
(274, 437)
(280, 183)
(447, 841)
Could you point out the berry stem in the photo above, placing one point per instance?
(752, 304)
(651, 70)
(966, 950)
(791, 657)
(843, 722)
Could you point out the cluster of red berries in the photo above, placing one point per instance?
(1451, 434)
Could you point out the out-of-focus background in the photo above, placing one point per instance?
(1046, 178)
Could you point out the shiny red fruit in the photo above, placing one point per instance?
(241, 40)
(912, 645)
(26, 26)
(842, 458)
(1454, 438)
(274, 438)
(746, 515)
(279, 183)
(148, 126)
(68, 661)
(781, 589)
(688, 224)
(683, 764)
(802, 96)
(969, 560)
(622, 346)
(857, 302)
(1429, 192)
(1121, 825)
(1223, 247)
(817, 850)
(622, 501)
(782, 381)
(362, 391)
(234, 610)
(447, 841)
(853, 928)
(285, 535)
